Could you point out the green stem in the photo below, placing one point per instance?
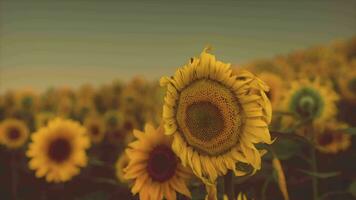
(13, 176)
(314, 168)
(334, 193)
(265, 186)
(229, 185)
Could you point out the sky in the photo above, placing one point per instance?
(71, 42)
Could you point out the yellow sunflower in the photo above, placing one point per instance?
(114, 123)
(42, 118)
(347, 84)
(216, 117)
(331, 138)
(310, 100)
(59, 150)
(27, 99)
(95, 128)
(13, 133)
(153, 166)
(113, 119)
(120, 165)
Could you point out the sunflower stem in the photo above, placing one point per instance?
(229, 185)
(315, 170)
(13, 176)
(313, 161)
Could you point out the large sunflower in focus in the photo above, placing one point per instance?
(155, 169)
(310, 100)
(13, 133)
(331, 138)
(216, 117)
(58, 150)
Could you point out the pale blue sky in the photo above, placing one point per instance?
(51, 43)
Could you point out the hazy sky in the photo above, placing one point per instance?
(50, 43)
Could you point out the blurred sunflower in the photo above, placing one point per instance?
(347, 84)
(113, 121)
(27, 99)
(64, 106)
(156, 170)
(13, 133)
(95, 128)
(120, 165)
(310, 100)
(216, 117)
(42, 118)
(276, 87)
(277, 66)
(58, 150)
(332, 139)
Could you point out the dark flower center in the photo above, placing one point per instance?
(204, 120)
(162, 163)
(59, 150)
(94, 130)
(13, 133)
(325, 139)
(128, 126)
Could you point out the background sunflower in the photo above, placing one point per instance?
(58, 150)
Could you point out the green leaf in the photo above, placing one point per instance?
(352, 188)
(105, 181)
(320, 174)
(351, 130)
(95, 196)
(286, 148)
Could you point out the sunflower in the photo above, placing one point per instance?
(58, 151)
(42, 118)
(155, 169)
(113, 119)
(216, 117)
(114, 125)
(95, 128)
(13, 133)
(310, 100)
(347, 84)
(120, 165)
(277, 66)
(331, 138)
(27, 99)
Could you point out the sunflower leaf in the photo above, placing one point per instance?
(352, 188)
(320, 174)
(351, 130)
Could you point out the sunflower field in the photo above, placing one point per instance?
(272, 129)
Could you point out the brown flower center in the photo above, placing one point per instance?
(204, 120)
(94, 130)
(59, 150)
(209, 117)
(162, 163)
(325, 139)
(13, 133)
(128, 126)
